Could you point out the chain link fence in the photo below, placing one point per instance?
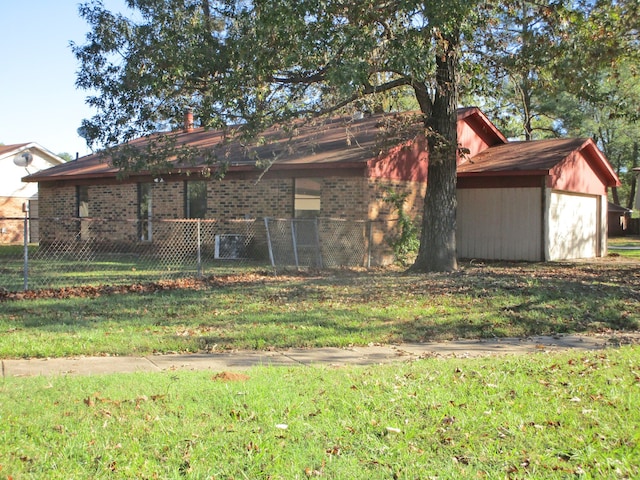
(88, 251)
(66, 252)
(318, 243)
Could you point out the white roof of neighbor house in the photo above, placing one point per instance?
(12, 168)
(12, 150)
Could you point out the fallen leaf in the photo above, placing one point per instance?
(335, 450)
(230, 377)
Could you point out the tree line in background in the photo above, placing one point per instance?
(537, 68)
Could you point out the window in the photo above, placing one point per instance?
(145, 233)
(307, 197)
(82, 211)
(195, 199)
(82, 201)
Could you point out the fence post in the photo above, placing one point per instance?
(318, 251)
(370, 224)
(266, 225)
(25, 268)
(199, 248)
(294, 243)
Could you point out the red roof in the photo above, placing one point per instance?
(347, 142)
(341, 142)
(564, 159)
(512, 157)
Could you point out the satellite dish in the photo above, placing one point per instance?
(23, 160)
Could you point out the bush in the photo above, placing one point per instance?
(405, 245)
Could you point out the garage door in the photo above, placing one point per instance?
(499, 223)
(573, 226)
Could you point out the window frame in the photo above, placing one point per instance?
(145, 226)
(307, 190)
(188, 207)
(82, 201)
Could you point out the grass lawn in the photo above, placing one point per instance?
(619, 246)
(567, 415)
(626, 241)
(69, 269)
(327, 309)
(570, 415)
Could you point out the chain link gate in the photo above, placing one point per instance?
(318, 243)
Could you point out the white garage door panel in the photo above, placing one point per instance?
(573, 226)
(499, 223)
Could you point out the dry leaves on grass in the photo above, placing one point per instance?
(230, 377)
(92, 291)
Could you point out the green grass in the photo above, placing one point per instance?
(72, 269)
(329, 309)
(625, 242)
(571, 415)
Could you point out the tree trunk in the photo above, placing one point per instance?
(437, 252)
(614, 195)
(634, 178)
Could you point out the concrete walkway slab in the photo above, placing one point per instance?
(76, 366)
(221, 361)
(343, 356)
(329, 356)
(504, 346)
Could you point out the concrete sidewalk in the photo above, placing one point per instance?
(374, 354)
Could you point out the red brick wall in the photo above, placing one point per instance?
(384, 217)
(11, 231)
(57, 200)
(237, 198)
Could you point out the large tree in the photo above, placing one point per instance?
(603, 55)
(537, 57)
(565, 67)
(515, 56)
(256, 63)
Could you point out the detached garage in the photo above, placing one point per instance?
(536, 201)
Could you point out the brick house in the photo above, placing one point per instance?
(337, 169)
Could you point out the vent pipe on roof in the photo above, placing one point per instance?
(188, 121)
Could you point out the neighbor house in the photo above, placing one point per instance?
(543, 200)
(619, 219)
(16, 161)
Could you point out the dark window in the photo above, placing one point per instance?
(82, 211)
(195, 201)
(307, 197)
(144, 212)
(82, 201)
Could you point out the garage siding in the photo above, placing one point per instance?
(573, 226)
(500, 223)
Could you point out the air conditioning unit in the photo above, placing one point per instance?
(230, 246)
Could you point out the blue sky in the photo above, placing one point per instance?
(38, 98)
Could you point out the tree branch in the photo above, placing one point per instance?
(367, 90)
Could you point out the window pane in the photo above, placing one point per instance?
(83, 201)
(144, 211)
(196, 199)
(307, 197)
